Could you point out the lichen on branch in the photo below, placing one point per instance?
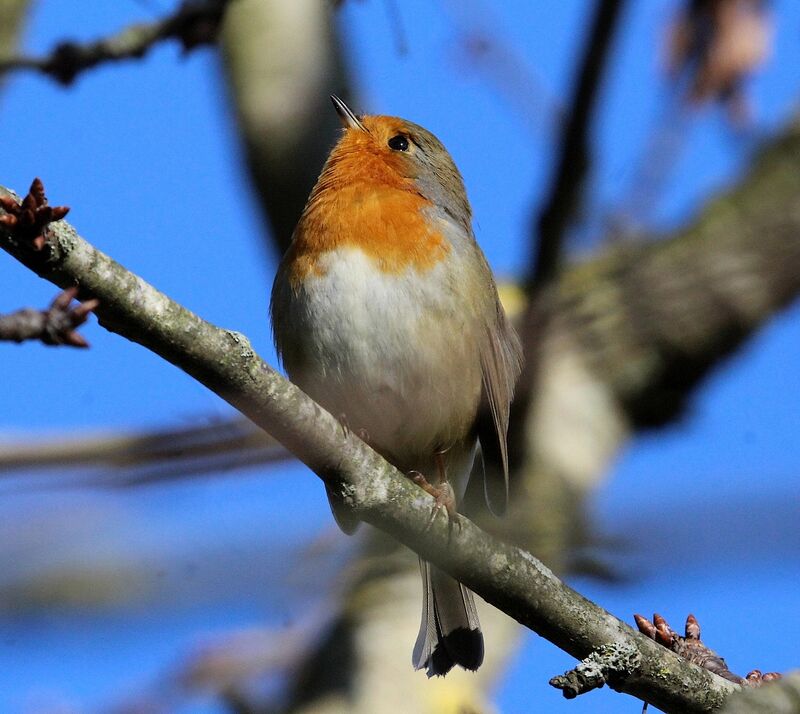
(222, 360)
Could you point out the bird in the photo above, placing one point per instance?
(385, 312)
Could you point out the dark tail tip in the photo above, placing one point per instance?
(460, 647)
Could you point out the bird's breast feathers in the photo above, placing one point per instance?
(393, 228)
(396, 352)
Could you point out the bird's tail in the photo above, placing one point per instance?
(450, 633)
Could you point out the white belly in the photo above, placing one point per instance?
(395, 354)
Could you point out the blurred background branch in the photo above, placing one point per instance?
(54, 326)
(13, 13)
(621, 342)
(281, 102)
(638, 355)
(225, 363)
(573, 162)
(194, 23)
(781, 697)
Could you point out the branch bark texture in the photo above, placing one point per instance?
(504, 575)
(660, 315)
(781, 697)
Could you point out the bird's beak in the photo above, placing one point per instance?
(349, 120)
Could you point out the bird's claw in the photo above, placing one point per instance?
(444, 498)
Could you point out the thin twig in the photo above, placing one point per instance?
(485, 53)
(119, 459)
(573, 158)
(555, 218)
(504, 575)
(54, 326)
(194, 23)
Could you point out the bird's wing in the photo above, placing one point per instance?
(501, 363)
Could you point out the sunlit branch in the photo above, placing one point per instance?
(224, 361)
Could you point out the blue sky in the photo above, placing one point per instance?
(146, 155)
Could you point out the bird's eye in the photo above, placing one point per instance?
(399, 143)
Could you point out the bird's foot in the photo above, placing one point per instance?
(444, 498)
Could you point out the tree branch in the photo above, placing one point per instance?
(223, 361)
(692, 648)
(54, 326)
(553, 514)
(638, 328)
(194, 23)
(781, 697)
(121, 459)
(281, 101)
(573, 159)
(660, 315)
(14, 13)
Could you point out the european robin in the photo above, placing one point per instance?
(384, 311)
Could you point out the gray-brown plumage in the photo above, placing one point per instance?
(385, 311)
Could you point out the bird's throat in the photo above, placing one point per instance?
(392, 226)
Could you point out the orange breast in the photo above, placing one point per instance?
(375, 211)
